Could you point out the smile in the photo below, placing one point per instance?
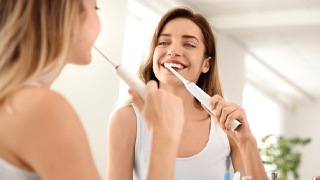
(175, 65)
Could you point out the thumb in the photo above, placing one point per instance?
(137, 100)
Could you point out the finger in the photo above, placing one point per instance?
(226, 111)
(137, 100)
(220, 104)
(238, 115)
(214, 101)
(229, 118)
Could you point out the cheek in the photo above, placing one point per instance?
(155, 64)
(155, 53)
(84, 40)
(80, 51)
(90, 29)
(158, 54)
(95, 26)
(155, 58)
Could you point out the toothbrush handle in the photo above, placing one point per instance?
(131, 80)
(227, 176)
(204, 98)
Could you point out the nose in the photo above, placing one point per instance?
(174, 50)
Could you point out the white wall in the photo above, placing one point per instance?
(232, 65)
(93, 89)
(304, 121)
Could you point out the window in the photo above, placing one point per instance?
(262, 112)
(141, 23)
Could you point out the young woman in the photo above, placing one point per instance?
(41, 136)
(185, 41)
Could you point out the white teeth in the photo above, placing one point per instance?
(175, 65)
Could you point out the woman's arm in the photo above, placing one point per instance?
(164, 115)
(244, 150)
(49, 137)
(163, 155)
(251, 159)
(236, 158)
(121, 141)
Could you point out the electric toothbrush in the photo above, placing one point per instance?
(198, 93)
(131, 80)
(227, 173)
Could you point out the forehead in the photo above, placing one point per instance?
(182, 26)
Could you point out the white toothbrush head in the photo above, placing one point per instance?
(175, 73)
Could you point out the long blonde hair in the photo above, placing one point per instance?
(210, 81)
(35, 37)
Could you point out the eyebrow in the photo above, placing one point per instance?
(183, 36)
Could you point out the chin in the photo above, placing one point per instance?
(87, 61)
(84, 60)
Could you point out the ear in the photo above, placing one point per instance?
(206, 65)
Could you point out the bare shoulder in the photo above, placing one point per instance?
(44, 125)
(122, 127)
(40, 112)
(36, 106)
(123, 117)
(121, 143)
(40, 109)
(39, 99)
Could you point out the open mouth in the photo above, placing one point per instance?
(176, 66)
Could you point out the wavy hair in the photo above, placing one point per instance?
(210, 82)
(35, 37)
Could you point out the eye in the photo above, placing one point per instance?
(190, 45)
(162, 43)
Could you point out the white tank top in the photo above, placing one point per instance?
(11, 172)
(209, 164)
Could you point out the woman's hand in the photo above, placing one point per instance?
(161, 110)
(225, 112)
(164, 116)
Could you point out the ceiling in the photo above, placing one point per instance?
(282, 39)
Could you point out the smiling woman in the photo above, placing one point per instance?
(291, 51)
(173, 42)
(185, 40)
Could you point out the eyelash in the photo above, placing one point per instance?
(162, 43)
(190, 45)
(96, 7)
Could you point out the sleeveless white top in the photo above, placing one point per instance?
(209, 164)
(10, 172)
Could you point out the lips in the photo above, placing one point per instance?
(176, 65)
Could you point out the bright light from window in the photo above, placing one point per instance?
(141, 23)
(262, 112)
